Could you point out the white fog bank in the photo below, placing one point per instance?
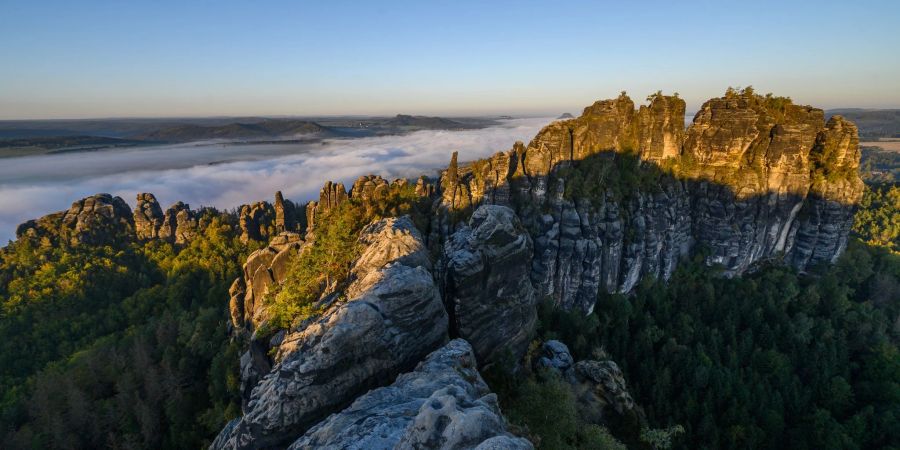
(225, 176)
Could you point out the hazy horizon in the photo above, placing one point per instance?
(227, 175)
(97, 59)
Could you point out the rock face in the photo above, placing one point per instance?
(285, 212)
(486, 284)
(443, 404)
(179, 224)
(599, 386)
(752, 178)
(264, 269)
(392, 305)
(257, 221)
(97, 220)
(331, 195)
(148, 217)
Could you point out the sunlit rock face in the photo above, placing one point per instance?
(180, 224)
(148, 217)
(389, 317)
(752, 178)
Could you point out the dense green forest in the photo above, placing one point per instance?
(774, 359)
(118, 346)
(878, 220)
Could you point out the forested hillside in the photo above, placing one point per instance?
(121, 345)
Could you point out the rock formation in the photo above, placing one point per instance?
(285, 219)
(486, 285)
(391, 305)
(599, 386)
(331, 195)
(443, 404)
(148, 217)
(179, 224)
(752, 178)
(257, 221)
(96, 220)
(264, 269)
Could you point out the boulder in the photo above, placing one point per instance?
(442, 404)
(555, 356)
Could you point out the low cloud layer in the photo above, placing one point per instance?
(226, 176)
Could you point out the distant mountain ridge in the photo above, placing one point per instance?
(433, 123)
(872, 123)
(266, 129)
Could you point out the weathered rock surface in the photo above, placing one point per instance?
(285, 214)
(486, 284)
(265, 268)
(599, 386)
(752, 178)
(443, 404)
(179, 224)
(555, 356)
(258, 221)
(148, 217)
(96, 220)
(331, 195)
(391, 318)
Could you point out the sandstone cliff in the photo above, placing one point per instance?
(619, 194)
(390, 317)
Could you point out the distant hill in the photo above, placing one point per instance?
(872, 123)
(564, 116)
(60, 144)
(266, 129)
(33, 137)
(425, 122)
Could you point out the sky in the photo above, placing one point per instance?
(73, 59)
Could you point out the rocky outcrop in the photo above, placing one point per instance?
(148, 217)
(424, 188)
(265, 268)
(443, 404)
(619, 194)
(331, 195)
(179, 225)
(391, 306)
(820, 233)
(257, 221)
(599, 386)
(97, 220)
(285, 214)
(486, 284)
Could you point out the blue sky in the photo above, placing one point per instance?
(194, 58)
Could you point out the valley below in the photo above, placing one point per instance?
(228, 173)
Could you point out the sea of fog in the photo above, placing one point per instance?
(228, 175)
